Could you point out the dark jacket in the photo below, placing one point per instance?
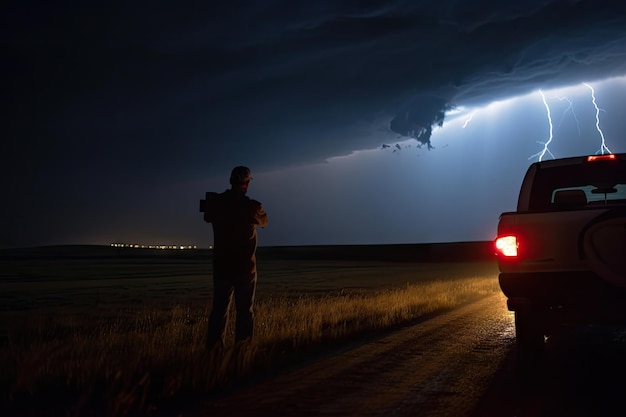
(234, 218)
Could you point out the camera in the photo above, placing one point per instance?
(203, 203)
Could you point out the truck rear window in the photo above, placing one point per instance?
(588, 195)
(585, 184)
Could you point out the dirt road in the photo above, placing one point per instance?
(440, 367)
(462, 363)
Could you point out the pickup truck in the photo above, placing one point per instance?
(562, 253)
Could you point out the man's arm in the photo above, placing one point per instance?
(259, 216)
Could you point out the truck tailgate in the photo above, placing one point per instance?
(593, 239)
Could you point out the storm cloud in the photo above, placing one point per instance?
(172, 87)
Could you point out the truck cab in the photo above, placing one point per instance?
(562, 253)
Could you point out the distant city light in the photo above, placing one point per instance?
(138, 246)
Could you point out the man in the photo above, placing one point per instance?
(234, 218)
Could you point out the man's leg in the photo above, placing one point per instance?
(222, 296)
(245, 288)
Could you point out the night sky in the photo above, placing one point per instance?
(364, 122)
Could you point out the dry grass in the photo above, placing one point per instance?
(142, 361)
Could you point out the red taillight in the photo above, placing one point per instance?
(609, 157)
(506, 246)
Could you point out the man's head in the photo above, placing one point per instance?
(240, 177)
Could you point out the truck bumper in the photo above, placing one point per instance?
(576, 293)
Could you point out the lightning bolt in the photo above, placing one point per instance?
(545, 144)
(570, 107)
(469, 119)
(603, 146)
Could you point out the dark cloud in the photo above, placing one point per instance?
(110, 96)
(167, 85)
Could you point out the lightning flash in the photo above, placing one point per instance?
(546, 144)
(603, 146)
(469, 119)
(570, 108)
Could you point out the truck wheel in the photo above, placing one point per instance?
(529, 334)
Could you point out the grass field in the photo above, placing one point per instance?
(125, 336)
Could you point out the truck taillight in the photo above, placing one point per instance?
(607, 157)
(506, 246)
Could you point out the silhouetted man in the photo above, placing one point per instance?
(234, 218)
